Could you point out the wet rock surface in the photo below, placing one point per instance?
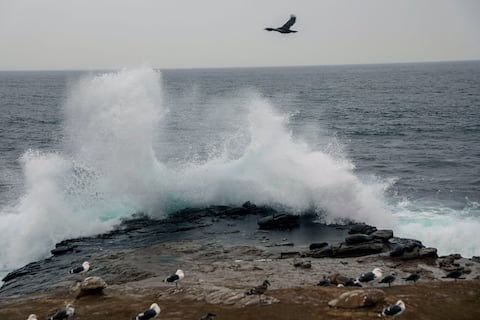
(222, 256)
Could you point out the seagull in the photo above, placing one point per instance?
(388, 279)
(393, 310)
(81, 269)
(208, 316)
(413, 277)
(150, 313)
(455, 274)
(286, 27)
(325, 282)
(64, 313)
(260, 290)
(177, 276)
(370, 276)
(32, 317)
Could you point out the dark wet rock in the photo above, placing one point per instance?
(321, 245)
(302, 264)
(384, 235)
(428, 253)
(291, 254)
(282, 244)
(358, 299)
(475, 259)
(358, 238)
(405, 248)
(249, 206)
(362, 228)
(62, 249)
(279, 221)
(324, 252)
(397, 251)
(359, 249)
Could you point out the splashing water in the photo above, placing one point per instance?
(449, 230)
(110, 169)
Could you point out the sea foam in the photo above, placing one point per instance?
(109, 168)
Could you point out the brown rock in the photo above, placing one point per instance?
(358, 299)
(89, 286)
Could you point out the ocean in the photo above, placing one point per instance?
(393, 145)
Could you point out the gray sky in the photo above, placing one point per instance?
(83, 34)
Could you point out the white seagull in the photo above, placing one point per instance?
(177, 276)
(64, 313)
(81, 269)
(370, 276)
(150, 313)
(393, 310)
(32, 317)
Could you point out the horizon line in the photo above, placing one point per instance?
(243, 67)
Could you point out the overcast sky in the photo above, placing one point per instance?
(97, 34)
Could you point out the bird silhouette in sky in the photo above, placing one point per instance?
(286, 27)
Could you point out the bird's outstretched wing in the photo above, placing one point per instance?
(289, 23)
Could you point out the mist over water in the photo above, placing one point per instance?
(127, 146)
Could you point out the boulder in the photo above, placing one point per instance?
(320, 245)
(302, 264)
(362, 228)
(359, 249)
(89, 286)
(358, 238)
(384, 235)
(62, 249)
(324, 252)
(428, 253)
(358, 299)
(279, 221)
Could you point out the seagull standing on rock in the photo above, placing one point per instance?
(150, 313)
(177, 276)
(370, 276)
(393, 310)
(413, 277)
(455, 274)
(388, 279)
(259, 290)
(63, 314)
(81, 269)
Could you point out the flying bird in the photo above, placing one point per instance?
(177, 276)
(388, 279)
(63, 314)
(259, 290)
(150, 313)
(286, 27)
(81, 269)
(393, 310)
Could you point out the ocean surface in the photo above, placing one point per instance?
(396, 146)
